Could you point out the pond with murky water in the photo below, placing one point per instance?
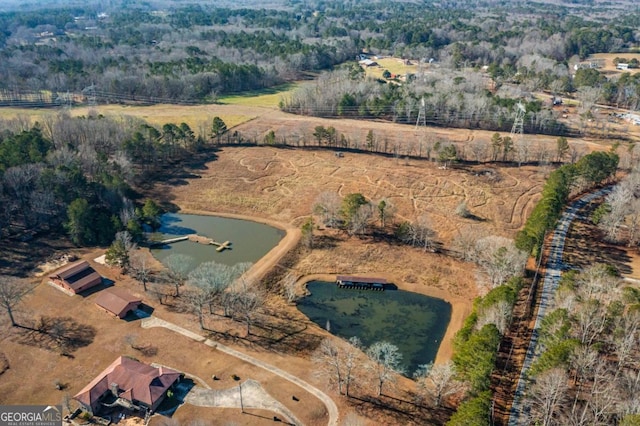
(415, 323)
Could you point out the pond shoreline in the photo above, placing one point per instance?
(460, 308)
(261, 267)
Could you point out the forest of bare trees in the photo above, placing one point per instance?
(587, 372)
(155, 51)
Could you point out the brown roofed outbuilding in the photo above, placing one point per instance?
(117, 301)
(76, 277)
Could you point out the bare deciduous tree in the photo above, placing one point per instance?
(12, 290)
(387, 361)
(547, 396)
(212, 279)
(327, 359)
(177, 272)
(248, 300)
(465, 243)
(360, 219)
(500, 259)
(141, 271)
(498, 314)
(338, 362)
(328, 205)
(437, 382)
(160, 291)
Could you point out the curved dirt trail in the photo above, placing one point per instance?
(332, 409)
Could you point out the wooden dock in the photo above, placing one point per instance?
(360, 283)
(196, 239)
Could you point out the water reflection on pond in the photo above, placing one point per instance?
(250, 241)
(413, 322)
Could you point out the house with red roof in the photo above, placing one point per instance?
(129, 383)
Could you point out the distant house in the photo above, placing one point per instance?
(128, 383)
(76, 277)
(622, 66)
(117, 301)
(595, 63)
(368, 63)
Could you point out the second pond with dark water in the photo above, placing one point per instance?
(415, 323)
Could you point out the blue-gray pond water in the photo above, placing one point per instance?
(250, 241)
(413, 322)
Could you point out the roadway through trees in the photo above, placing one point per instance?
(553, 271)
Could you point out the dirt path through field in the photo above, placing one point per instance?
(330, 405)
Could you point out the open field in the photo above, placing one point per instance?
(394, 65)
(609, 66)
(267, 98)
(282, 184)
(195, 116)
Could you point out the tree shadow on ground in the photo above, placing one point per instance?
(19, 258)
(401, 411)
(63, 334)
(293, 338)
(585, 245)
(325, 241)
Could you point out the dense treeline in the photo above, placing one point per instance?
(476, 348)
(76, 174)
(194, 52)
(589, 171)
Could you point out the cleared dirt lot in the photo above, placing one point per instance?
(610, 67)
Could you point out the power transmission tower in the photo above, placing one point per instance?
(517, 131)
(68, 100)
(90, 94)
(422, 114)
(517, 134)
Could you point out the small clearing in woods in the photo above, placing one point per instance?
(610, 67)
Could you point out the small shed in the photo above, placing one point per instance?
(117, 301)
(76, 277)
